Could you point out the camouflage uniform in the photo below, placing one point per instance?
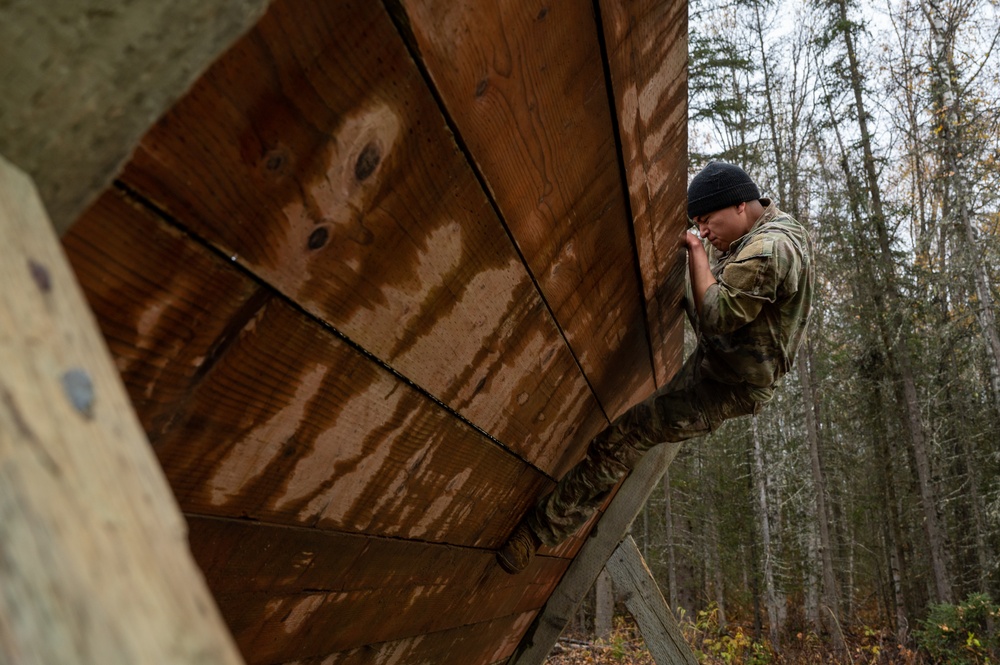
(748, 331)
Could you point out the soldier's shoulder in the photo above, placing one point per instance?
(783, 228)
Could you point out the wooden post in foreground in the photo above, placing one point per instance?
(605, 537)
(645, 603)
(94, 562)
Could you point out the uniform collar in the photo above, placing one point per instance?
(770, 212)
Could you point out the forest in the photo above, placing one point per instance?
(857, 518)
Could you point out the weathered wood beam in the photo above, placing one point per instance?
(645, 603)
(84, 79)
(604, 538)
(94, 564)
(646, 43)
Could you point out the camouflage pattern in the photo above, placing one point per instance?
(749, 329)
(752, 321)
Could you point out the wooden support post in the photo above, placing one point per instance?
(605, 537)
(645, 603)
(94, 563)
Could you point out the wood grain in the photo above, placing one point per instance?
(644, 601)
(293, 425)
(478, 644)
(94, 567)
(282, 589)
(524, 84)
(647, 56)
(166, 307)
(314, 154)
(255, 409)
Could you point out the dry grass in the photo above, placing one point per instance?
(735, 647)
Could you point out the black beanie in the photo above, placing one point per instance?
(719, 185)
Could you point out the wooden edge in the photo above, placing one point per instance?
(647, 62)
(645, 603)
(94, 564)
(605, 537)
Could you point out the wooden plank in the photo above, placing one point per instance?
(83, 81)
(281, 589)
(609, 532)
(314, 154)
(256, 410)
(660, 632)
(94, 566)
(166, 307)
(484, 643)
(293, 425)
(647, 56)
(524, 84)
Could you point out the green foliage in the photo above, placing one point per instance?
(735, 648)
(960, 634)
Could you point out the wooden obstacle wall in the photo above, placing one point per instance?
(372, 286)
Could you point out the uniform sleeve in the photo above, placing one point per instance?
(751, 279)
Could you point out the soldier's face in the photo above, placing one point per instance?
(724, 227)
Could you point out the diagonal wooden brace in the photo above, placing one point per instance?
(645, 603)
(604, 539)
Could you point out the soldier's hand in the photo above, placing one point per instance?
(692, 240)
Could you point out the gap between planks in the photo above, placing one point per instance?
(138, 198)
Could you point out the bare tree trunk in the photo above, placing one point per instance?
(955, 202)
(895, 341)
(668, 522)
(984, 555)
(715, 564)
(811, 581)
(893, 534)
(956, 212)
(830, 596)
(760, 482)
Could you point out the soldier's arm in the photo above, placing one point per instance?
(701, 274)
(751, 279)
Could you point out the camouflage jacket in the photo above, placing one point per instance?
(752, 321)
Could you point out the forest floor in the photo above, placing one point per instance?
(736, 647)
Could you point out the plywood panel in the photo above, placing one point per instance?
(524, 83)
(647, 56)
(314, 154)
(257, 410)
(291, 593)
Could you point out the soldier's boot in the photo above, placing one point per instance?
(519, 550)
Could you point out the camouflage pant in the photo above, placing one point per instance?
(687, 407)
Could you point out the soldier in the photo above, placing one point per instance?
(748, 298)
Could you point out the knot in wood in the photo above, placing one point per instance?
(368, 161)
(318, 238)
